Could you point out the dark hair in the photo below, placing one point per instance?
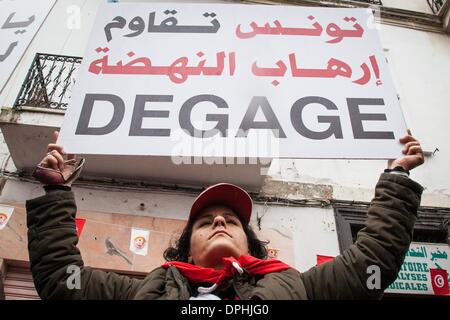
(180, 251)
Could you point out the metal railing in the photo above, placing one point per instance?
(435, 5)
(49, 82)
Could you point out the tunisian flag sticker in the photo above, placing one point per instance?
(439, 281)
(79, 224)
(322, 259)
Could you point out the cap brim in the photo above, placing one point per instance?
(225, 194)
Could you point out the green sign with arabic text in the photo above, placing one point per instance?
(417, 274)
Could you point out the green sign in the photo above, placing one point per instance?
(415, 276)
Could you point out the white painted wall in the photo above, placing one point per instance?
(313, 232)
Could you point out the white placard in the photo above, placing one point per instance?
(244, 80)
(19, 22)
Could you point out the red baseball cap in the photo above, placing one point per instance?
(225, 194)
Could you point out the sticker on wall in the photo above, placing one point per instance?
(79, 223)
(5, 214)
(139, 241)
(323, 259)
(272, 253)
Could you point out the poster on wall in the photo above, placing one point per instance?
(5, 214)
(19, 22)
(139, 241)
(232, 80)
(425, 270)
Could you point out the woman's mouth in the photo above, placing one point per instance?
(219, 232)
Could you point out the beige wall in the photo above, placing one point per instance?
(115, 228)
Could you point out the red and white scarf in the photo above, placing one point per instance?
(254, 266)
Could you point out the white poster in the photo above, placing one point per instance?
(5, 214)
(139, 241)
(19, 22)
(233, 80)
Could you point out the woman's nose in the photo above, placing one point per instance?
(219, 221)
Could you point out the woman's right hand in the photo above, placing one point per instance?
(54, 169)
(55, 155)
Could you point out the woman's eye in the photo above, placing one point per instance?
(203, 223)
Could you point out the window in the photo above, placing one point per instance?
(432, 225)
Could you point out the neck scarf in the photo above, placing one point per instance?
(254, 266)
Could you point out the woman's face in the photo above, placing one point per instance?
(217, 232)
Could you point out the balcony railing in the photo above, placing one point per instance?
(49, 82)
(435, 5)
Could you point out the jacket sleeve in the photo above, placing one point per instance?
(52, 241)
(382, 243)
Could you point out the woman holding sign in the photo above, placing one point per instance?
(218, 256)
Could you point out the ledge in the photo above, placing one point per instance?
(391, 16)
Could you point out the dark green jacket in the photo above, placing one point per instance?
(52, 241)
